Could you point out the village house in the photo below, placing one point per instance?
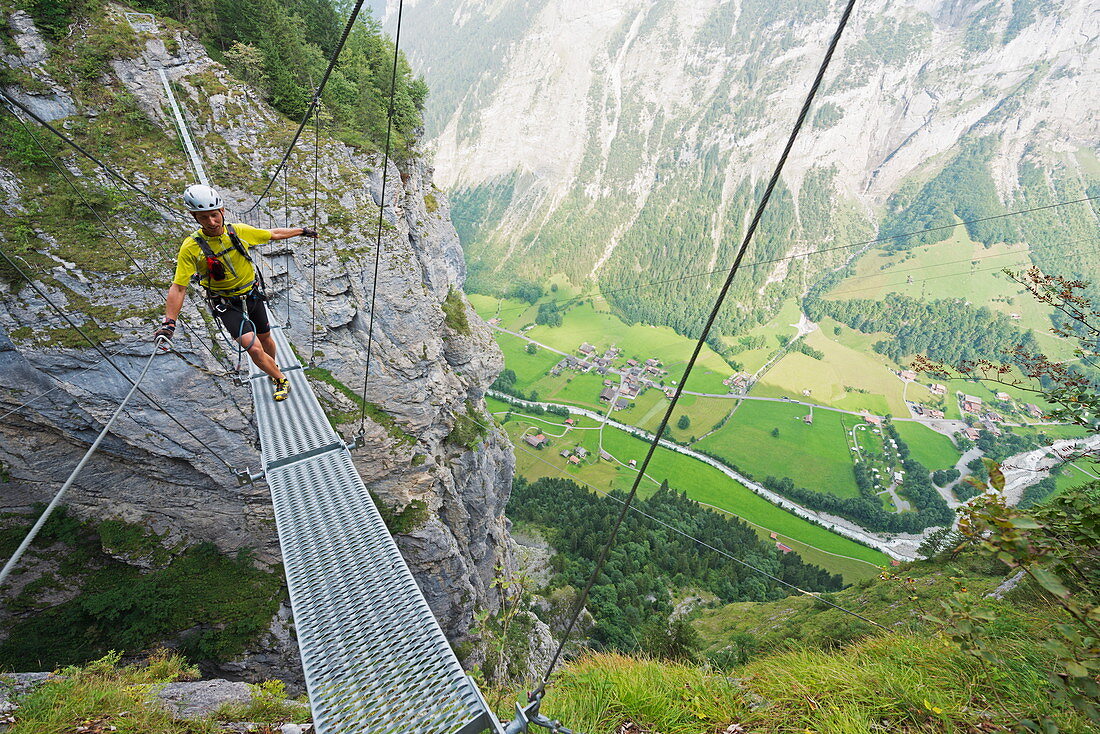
(971, 433)
(537, 441)
(874, 420)
(1004, 396)
(586, 349)
(622, 404)
(582, 452)
(783, 548)
(1033, 410)
(570, 422)
(607, 395)
(604, 455)
(574, 460)
(633, 463)
(937, 389)
(937, 414)
(564, 453)
(971, 404)
(991, 427)
(631, 363)
(908, 375)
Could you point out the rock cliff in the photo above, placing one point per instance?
(426, 368)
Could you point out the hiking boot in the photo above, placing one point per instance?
(282, 389)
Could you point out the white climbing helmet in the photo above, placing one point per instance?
(199, 198)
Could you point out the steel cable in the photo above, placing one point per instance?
(381, 211)
(103, 223)
(103, 353)
(312, 103)
(583, 598)
(110, 171)
(626, 289)
(10, 565)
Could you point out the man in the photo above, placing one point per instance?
(217, 255)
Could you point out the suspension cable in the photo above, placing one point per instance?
(10, 565)
(312, 103)
(110, 171)
(27, 403)
(703, 543)
(99, 348)
(583, 598)
(313, 264)
(110, 230)
(381, 211)
(287, 257)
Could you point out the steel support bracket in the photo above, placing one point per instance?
(355, 443)
(246, 476)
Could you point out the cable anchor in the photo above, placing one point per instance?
(529, 714)
(247, 476)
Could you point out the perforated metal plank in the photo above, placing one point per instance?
(375, 659)
(296, 425)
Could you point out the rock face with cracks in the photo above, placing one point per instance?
(175, 478)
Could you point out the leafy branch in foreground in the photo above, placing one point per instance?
(1057, 549)
(1054, 549)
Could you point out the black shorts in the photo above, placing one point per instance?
(232, 315)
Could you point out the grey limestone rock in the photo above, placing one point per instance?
(174, 478)
(195, 700)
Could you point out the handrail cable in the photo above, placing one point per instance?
(288, 256)
(76, 146)
(313, 263)
(10, 565)
(110, 230)
(99, 348)
(26, 403)
(538, 692)
(771, 261)
(312, 103)
(381, 211)
(949, 275)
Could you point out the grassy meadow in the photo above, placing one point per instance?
(702, 483)
(814, 456)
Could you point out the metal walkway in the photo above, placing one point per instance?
(374, 656)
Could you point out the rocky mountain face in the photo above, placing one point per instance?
(605, 141)
(448, 492)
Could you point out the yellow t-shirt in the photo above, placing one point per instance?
(239, 272)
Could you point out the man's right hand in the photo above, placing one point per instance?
(167, 329)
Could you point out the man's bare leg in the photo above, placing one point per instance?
(257, 352)
(268, 343)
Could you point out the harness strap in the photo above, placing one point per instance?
(235, 244)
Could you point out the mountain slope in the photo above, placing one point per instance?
(627, 144)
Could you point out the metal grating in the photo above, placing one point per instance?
(375, 659)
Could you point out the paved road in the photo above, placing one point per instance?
(902, 548)
(945, 426)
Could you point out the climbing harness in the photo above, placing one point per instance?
(220, 303)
